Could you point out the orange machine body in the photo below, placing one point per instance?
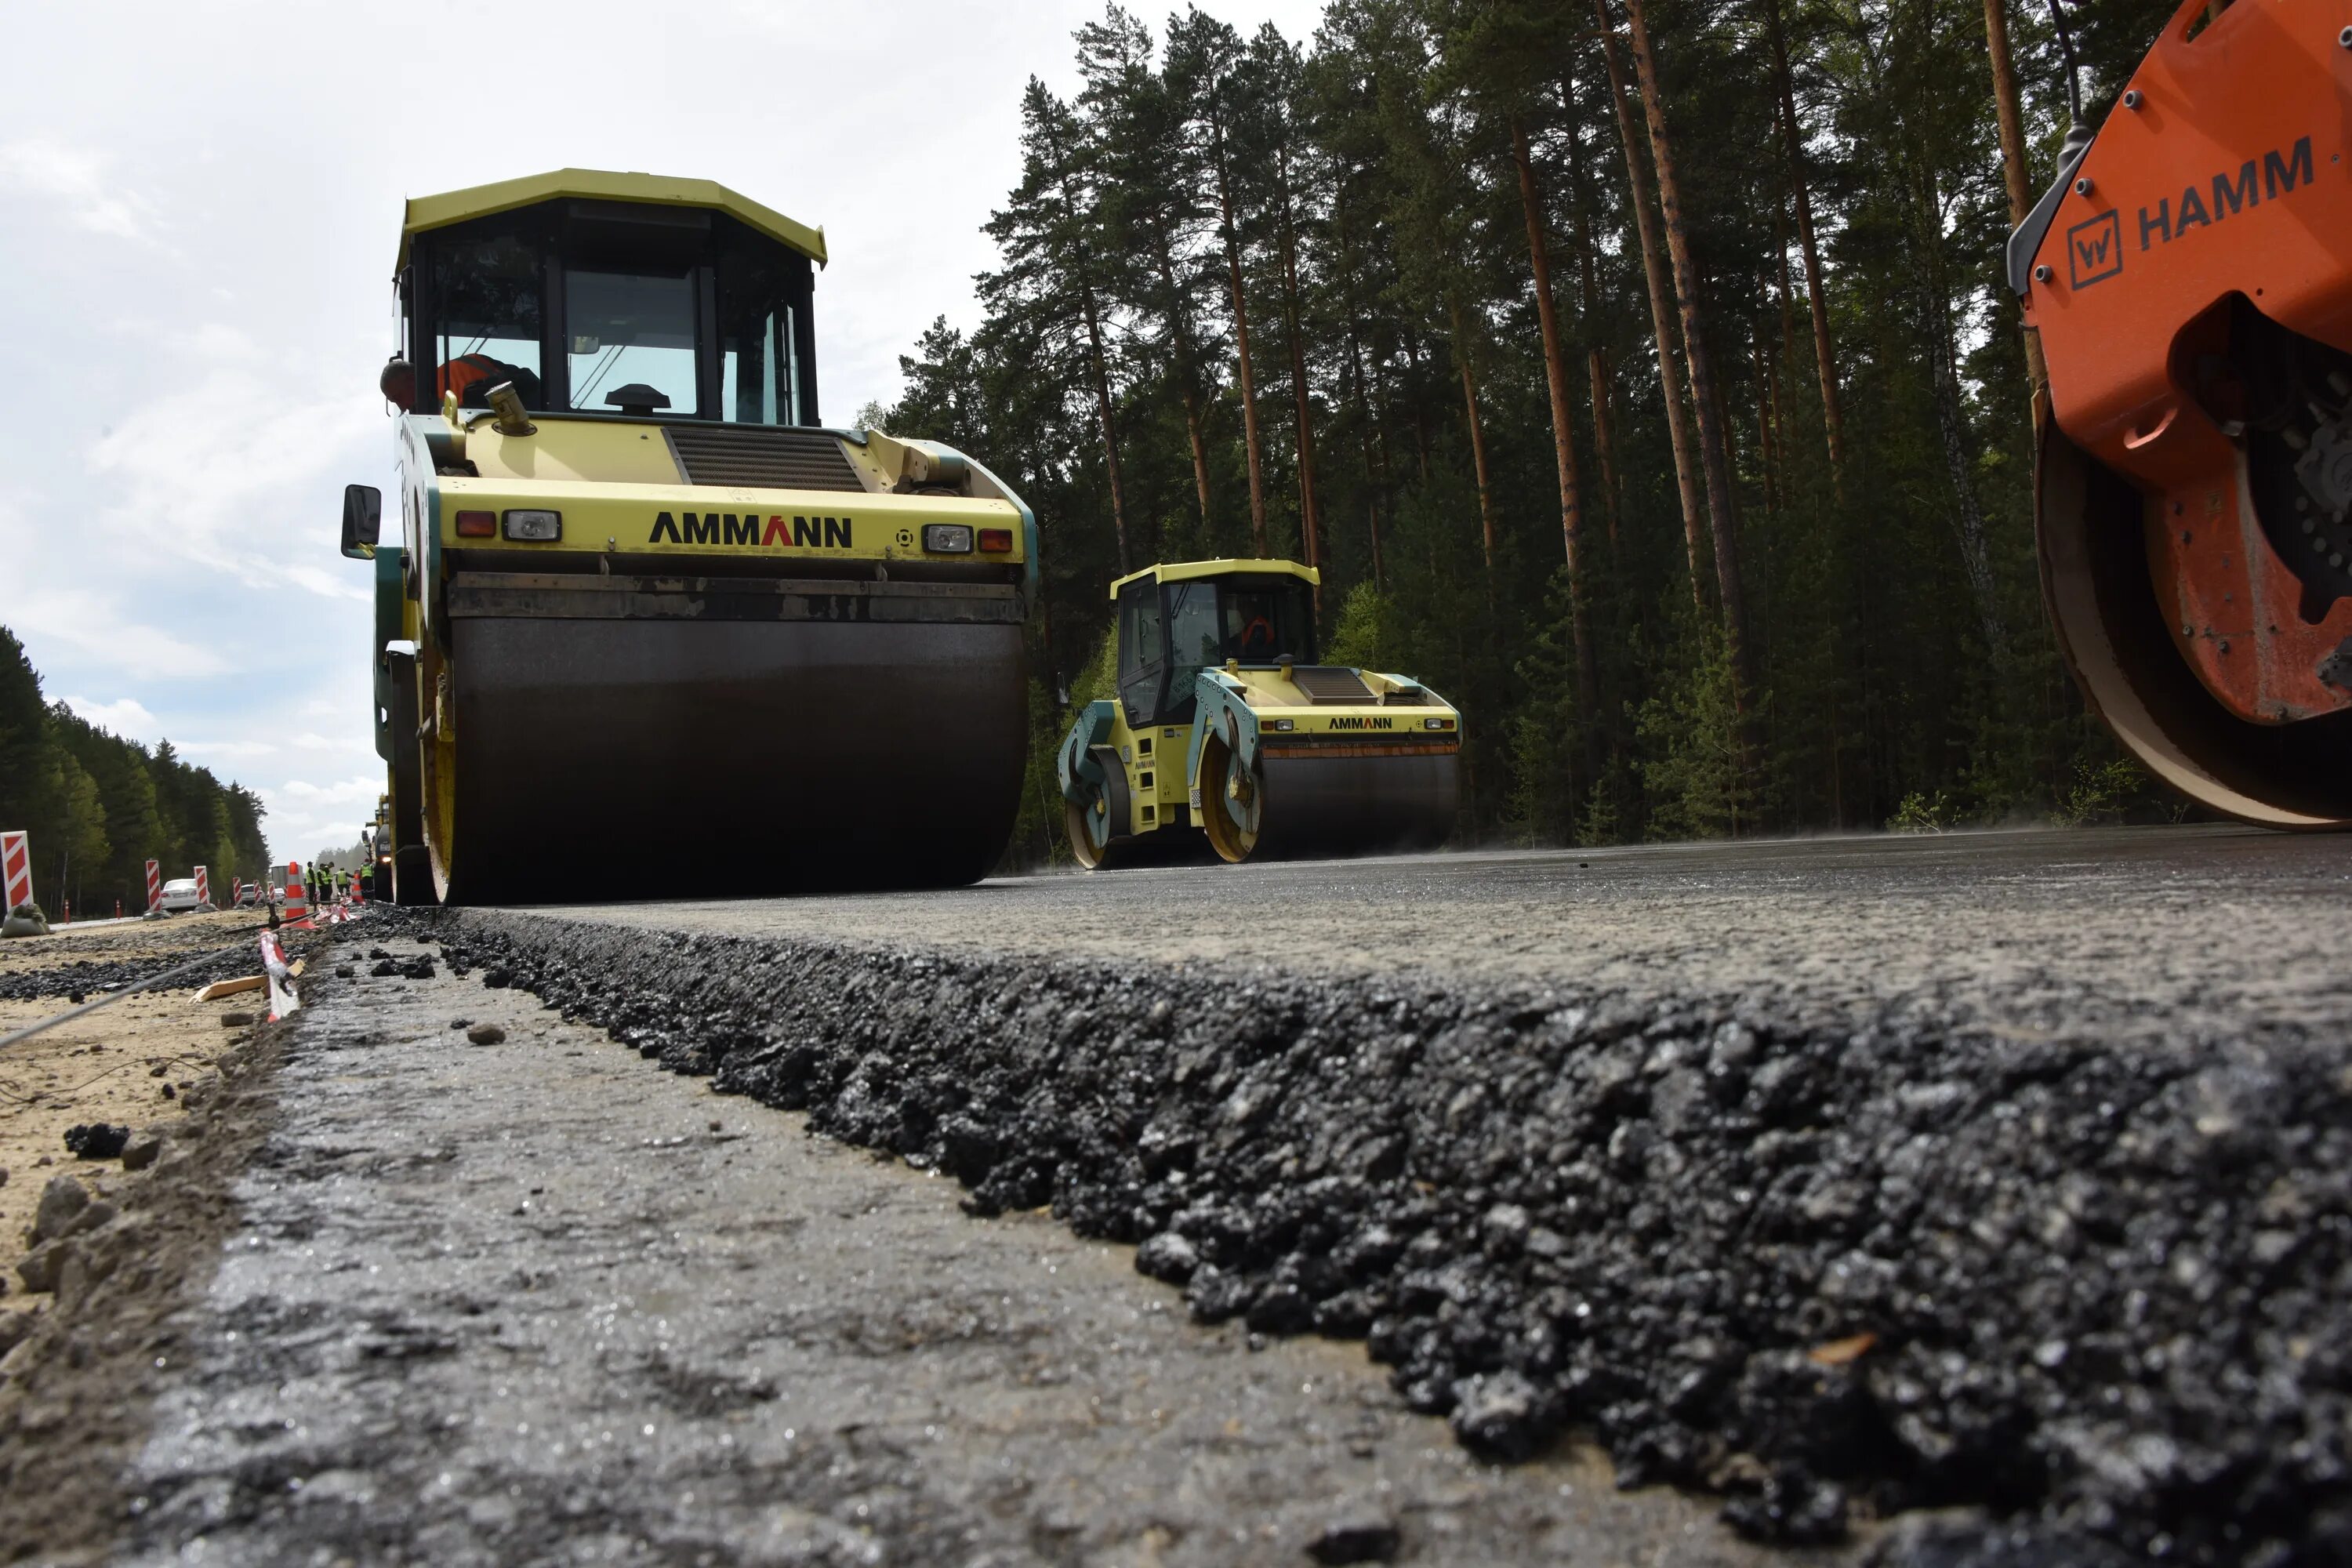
(2226, 171)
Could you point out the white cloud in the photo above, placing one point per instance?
(226, 750)
(77, 179)
(218, 473)
(364, 788)
(105, 635)
(125, 716)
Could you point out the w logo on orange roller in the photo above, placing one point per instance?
(2094, 250)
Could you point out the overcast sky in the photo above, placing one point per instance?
(199, 206)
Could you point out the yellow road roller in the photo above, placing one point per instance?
(650, 627)
(1225, 725)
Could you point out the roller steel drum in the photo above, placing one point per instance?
(612, 758)
(1332, 800)
(2094, 537)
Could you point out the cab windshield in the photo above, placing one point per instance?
(691, 316)
(1168, 636)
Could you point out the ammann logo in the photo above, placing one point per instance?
(728, 527)
(1344, 722)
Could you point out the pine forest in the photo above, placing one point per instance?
(1639, 373)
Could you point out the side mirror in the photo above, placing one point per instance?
(363, 521)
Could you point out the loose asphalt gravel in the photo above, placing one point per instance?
(1996, 1186)
(2009, 1171)
(533, 1303)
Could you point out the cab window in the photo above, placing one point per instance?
(489, 326)
(1263, 624)
(1142, 660)
(630, 330)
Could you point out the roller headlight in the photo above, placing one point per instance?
(946, 538)
(538, 527)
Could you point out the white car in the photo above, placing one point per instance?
(180, 895)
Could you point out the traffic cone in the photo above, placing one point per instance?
(298, 899)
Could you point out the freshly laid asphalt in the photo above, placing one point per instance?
(1998, 1182)
(2120, 933)
(536, 1302)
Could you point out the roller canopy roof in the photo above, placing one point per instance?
(1185, 571)
(659, 189)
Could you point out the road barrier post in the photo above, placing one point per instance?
(17, 861)
(154, 886)
(203, 887)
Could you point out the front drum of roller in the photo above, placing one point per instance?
(1341, 801)
(619, 758)
(2091, 531)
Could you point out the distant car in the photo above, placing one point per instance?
(248, 894)
(180, 895)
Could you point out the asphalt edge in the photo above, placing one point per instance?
(1884, 1264)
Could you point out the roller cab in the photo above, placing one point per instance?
(1226, 725)
(649, 626)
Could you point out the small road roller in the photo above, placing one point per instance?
(1225, 725)
(649, 627)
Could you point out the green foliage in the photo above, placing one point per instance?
(1922, 814)
(97, 807)
(1696, 778)
(1363, 636)
(1361, 201)
(2100, 792)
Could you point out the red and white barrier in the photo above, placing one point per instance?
(154, 886)
(203, 887)
(298, 898)
(17, 861)
(282, 999)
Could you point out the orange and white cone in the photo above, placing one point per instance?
(298, 899)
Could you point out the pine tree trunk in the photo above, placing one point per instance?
(1187, 373)
(1833, 420)
(1241, 332)
(1968, 515)
(1706, 398)
(2013, 161)
(1099, 365)
(1372, 395)
(1309, 525)
(1653, 268)
(1596, 353)
(1477, 439)
(1416, 384)
(1768, 435)
(1372, 473)
(1563, 437)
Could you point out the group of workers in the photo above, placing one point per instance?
(326, 884)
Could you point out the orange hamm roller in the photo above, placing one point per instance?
(2190, 274)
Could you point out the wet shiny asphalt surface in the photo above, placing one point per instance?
(2112, 934)
(522, 1304)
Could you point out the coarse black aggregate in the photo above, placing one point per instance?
(2107, 1289)
(95, 1140)
(91, 976)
